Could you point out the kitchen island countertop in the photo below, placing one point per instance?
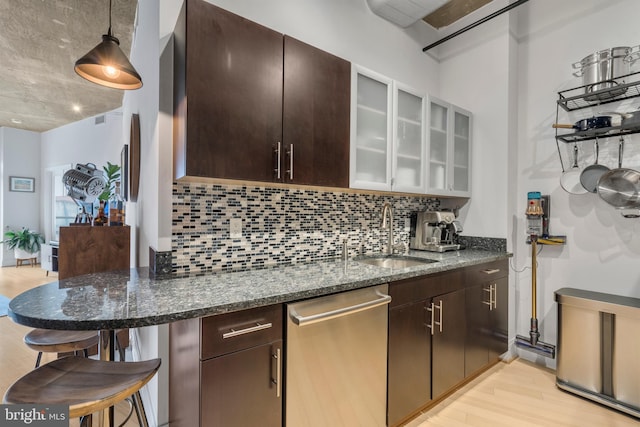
(133, 298)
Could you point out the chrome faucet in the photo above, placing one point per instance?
(387, 216)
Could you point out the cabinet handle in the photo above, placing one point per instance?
(258, 327)
(493, 296)
(490, 302)
(494, 287)
(433, 324)
(278, 379)
(290, 170)
(491, 271)
(277, 153)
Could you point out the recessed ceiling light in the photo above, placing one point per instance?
(16, 121)
(76, 108)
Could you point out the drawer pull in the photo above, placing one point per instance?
(491, 271)
(258, 327)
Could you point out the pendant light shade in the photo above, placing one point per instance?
(107, 65)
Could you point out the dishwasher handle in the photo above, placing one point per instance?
(344, 311)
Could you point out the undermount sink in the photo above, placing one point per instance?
(394, 261)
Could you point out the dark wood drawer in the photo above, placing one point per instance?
(487, 272)
(425, 287)
(226, 333)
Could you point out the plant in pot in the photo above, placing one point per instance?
(112, 173)
(25, 243)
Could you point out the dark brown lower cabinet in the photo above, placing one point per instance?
(478, 327)
(241, 388)
(409, 384)
(443, 329)
(487, 315)
(226, 370)
(447, 364)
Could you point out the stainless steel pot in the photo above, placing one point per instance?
(602, 69)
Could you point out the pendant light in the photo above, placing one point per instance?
(107, 65)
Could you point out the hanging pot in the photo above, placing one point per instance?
(601, 70)
(595, 122)
(591, 174)
(570, 180)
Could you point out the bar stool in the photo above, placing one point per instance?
(53, 341)
(85, 385)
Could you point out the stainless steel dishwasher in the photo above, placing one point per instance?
(336, 364)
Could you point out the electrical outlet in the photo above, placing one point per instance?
(235, 228)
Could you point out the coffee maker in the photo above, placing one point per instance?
(435, 231)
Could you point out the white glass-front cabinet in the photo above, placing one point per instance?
(387, 134)
(371, 130)
(409, 140)
(449, 150)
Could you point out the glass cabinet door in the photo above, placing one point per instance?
(371, 131)
(449, 153)
(461, 151)
(409, 150)
(438, 146)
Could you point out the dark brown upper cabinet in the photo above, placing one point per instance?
(251, 104)
(316, 113)
(227, 94)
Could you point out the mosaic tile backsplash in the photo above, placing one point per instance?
(279, 225)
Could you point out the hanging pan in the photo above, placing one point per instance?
(591, 174)
(621, 187)
(595, 122)
(570, 180)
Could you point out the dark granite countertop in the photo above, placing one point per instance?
(131, 298)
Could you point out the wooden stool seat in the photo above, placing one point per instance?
(54, 341)
(85, 385)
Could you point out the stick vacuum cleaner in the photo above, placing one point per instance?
(534, 229)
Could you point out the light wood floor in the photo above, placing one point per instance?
(518, 394)
(16, 359)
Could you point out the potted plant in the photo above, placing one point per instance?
(25, 243)
(112, 173)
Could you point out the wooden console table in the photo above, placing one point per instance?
(88, 249)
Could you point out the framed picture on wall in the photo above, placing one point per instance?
(23, 184)
(124, 172)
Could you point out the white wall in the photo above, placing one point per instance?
(83, 142)
(508, 72)
(19, 157)
(154, 194)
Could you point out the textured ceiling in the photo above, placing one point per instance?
(40, 40)
(453, 11)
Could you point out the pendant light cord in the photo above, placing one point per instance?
(109, 31)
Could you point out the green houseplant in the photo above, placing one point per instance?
(25, 243)
(112, 173)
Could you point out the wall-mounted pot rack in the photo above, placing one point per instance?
(579, 98)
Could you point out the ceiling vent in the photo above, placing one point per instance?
(404, 12)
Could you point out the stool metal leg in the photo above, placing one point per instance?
(139, 407)
(38, 359)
